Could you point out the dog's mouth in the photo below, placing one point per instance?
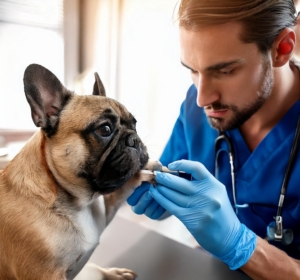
(110, 181)
(121, 164)
(117, 170)
(108, 190)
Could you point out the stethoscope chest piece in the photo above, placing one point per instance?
(285, 236)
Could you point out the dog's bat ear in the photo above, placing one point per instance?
(46, 96)
(98, 86)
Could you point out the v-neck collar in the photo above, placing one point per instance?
(247, 164)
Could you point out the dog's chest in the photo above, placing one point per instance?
(91, 221)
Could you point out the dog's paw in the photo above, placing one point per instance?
(146, 174)
(118, 274)
(153, 165)
(93, 272)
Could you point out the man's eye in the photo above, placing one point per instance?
(226, 72)
(103, 131)
(193, 71)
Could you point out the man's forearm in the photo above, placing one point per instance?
(268, 262)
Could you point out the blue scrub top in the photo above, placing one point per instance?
(258, 174)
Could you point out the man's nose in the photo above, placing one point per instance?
(207, 92)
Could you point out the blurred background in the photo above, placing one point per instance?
(132, 44)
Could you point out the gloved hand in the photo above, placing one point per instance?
(204, 208)
(143, 203)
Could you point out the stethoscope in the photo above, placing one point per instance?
(275, 231)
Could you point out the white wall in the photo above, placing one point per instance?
(152, 82)
(30, 32)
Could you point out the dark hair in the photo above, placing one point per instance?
(262, 20)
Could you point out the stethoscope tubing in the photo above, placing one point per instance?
(223, 136)
(287, 175)
(289, 168)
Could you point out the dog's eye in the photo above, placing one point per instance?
(104, 130)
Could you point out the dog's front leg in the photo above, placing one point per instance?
(114, 200)
(93, 272)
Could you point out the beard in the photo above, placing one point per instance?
(240, 116)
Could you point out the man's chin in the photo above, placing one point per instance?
(217, 123)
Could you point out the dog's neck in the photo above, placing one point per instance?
(22, 170)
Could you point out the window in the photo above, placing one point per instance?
(31, 31)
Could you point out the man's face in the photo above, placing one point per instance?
(233, 79)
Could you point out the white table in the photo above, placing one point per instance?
(152, 256)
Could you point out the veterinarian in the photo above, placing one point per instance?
(243, 105)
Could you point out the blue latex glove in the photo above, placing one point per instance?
(203, 207)
(143, 203)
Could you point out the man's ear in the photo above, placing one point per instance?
(283, 47)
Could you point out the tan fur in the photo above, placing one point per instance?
(25, 199)
(33, 233)
(50, 218)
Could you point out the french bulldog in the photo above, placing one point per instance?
(64, 187)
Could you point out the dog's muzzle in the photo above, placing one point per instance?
(128, 156)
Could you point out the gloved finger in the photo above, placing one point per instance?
(178, 198)
(158, 212)
(138, 192)
(176, 183)
(195, 168)
(170, 206)
(144, 201)
(152, 209)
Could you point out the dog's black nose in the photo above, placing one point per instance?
(132, 141)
